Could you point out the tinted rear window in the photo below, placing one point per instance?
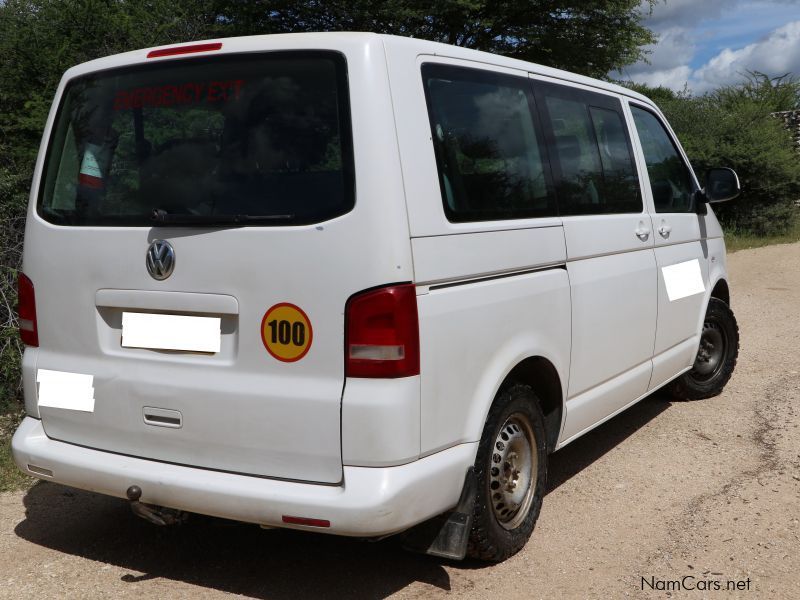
(257, 134)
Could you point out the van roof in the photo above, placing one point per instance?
(332, 40)
(440, 49)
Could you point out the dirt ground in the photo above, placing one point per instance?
(699, 492)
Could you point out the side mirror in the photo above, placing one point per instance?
(722, 184)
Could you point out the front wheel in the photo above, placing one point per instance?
(511, 474)
(716, 355)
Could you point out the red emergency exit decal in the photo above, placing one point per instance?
(178, 94)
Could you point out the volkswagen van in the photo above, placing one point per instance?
(355, 283)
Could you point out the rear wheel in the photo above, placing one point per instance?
(716, 355)
(511, 473)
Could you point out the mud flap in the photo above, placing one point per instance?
(446, 535)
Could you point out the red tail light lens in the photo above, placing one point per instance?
(191, 49)
(383, 333)
(26, 311)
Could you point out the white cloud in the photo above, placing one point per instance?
(675, 47)
(683, 13)
(776, 54)
(675, 78)
(667, 63)
(723, 33)
(667, 60)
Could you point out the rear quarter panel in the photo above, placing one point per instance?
(473, 335)
(490, 294)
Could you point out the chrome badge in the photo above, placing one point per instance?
(160, 259)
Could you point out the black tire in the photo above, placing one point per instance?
(491, 538)
(713, 365)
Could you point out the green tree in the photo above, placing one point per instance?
(734, 126)
(40, 39)
(586, 36)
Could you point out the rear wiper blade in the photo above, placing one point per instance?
(159, 215)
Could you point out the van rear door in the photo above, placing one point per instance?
(209, 188)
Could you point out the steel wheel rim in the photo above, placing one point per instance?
(513, 471)
(711, 353)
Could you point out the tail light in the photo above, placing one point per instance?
(26, 311)
(382, 333)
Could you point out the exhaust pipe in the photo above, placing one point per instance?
(157, 515)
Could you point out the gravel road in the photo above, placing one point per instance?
(698, 492)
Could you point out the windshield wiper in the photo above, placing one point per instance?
(159, 215)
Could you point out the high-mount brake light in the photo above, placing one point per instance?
(190, 49)
(26, 311)
(383, 333)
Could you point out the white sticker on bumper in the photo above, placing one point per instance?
(683, 280)
(61, 389)
(171, 332)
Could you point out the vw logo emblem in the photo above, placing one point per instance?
(160, 259)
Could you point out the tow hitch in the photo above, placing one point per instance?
(158, 515)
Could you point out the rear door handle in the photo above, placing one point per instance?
(664, 230)
(642, 233)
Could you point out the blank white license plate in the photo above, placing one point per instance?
(170, 332)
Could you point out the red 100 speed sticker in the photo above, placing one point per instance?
(286, 332)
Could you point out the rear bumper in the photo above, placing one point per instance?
(371, 501)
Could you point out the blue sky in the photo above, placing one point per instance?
(707, 43)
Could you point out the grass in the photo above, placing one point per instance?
(735, 240)
(11, 478)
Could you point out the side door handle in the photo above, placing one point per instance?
(642, 233)
(664, 230)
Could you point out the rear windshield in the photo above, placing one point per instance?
(262, 135)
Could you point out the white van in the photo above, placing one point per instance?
(354, 283)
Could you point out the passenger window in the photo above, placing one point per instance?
(670, 180)
(488, 149)
(593, 154)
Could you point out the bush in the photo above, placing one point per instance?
(13, 199)
(39, 40)
(734, 127)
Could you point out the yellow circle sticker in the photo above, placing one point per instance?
(286, 332)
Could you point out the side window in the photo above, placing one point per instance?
(64, 189)
(670, 180)
(488, 147)
(592, 152)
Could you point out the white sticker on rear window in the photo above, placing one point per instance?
(91, 174)
(171, 332)
(65, 390)
(89, 165)
(683, 280)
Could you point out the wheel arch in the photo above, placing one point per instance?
(541, 375)
(721, 291)
(718, 286)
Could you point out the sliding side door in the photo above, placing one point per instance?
(610, 258)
